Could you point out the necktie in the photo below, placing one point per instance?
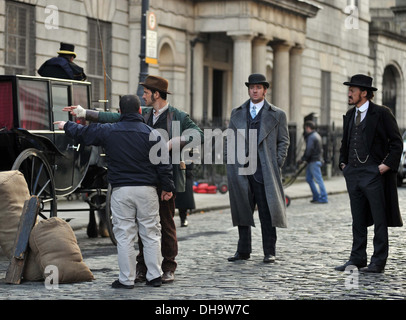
(253, 112)
(358, 118)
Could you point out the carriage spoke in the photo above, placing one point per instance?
(32, 173)
(43, 188)
(38, 175)
(37, 178)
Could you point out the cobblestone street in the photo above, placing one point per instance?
(317, 239)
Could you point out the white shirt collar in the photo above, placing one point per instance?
(364, 107)
(157, 113)
(258, 106)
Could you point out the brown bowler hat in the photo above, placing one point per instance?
(156, 83)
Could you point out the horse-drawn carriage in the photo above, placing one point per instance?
(52, 164)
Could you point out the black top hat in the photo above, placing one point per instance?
(360, 80)
(257, 78)
(67, 48)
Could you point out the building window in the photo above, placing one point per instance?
(20, 38)
(353, 3)
(389, 90)
(99, 60)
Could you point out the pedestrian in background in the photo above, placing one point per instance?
(370, 152)
(185, 201)
(313, 157)
(134, 181)
(264, 186)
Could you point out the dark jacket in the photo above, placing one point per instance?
(60, 67)
(384, 144)
(314, 148)
(128, 148)
(174, 114)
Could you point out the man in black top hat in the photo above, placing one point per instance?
(370, 152)
(63, 66)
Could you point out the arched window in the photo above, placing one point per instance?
(389, 90)
(166, 56)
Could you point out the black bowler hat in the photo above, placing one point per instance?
(257, 78)
(67, 48)
(360, 80)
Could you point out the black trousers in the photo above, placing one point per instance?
(366, 190)
(257, 191)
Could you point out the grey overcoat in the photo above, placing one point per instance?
(273, 143)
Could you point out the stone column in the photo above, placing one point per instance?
(296, 90)
(259, 55)
(242, 65)
(281, 76)
(198, 81)
(296, 86)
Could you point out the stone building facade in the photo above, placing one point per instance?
(207, 49)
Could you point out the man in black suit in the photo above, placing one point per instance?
(370, 152)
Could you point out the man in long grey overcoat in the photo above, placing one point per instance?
(263, 138)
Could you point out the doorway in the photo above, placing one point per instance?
(217, 101)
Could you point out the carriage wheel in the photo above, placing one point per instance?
(38, 174)
(109, 216)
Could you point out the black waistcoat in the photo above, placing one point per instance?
(358, 154)
(161, 123)
(256, 124)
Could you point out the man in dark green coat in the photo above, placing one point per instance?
(181, 130)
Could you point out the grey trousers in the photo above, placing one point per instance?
(136, 209)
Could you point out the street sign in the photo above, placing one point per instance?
(151, 55)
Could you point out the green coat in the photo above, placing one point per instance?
(174, 114)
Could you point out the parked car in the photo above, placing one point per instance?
(402, 165)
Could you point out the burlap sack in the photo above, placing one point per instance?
(54, 243)
(32, 270)
(13, 193)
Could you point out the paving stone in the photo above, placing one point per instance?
(317, 239)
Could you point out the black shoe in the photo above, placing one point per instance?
(154, 282)
(118, 285)
(239, 256)
(373, 268)
(349, 263)
(269, 258)
(140, 276)
(184, 223)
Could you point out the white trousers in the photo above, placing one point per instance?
(136, 209)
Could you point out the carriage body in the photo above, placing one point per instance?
(29, 141)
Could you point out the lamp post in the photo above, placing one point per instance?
(143, 65)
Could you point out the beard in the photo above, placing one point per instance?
(353, 102)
